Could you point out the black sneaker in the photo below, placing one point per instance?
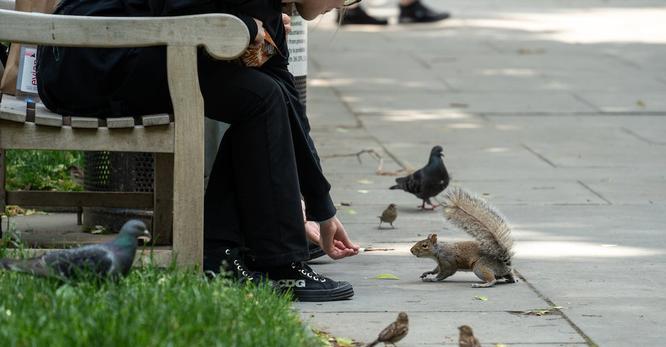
(358, 16)
(230, 260)
(307, 285)
(419, 13)
(315, 251)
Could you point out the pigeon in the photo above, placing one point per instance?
(388, 216)
(467, 338)
(394, 332)
(428, 181)
(112, 259)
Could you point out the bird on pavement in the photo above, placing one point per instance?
(389, 215)
(428, 181)
(112, 259)
(466, 338)
(394, 332)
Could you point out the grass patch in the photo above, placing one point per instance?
(151, 307)
(42, 170)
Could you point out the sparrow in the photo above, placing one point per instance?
(466, 338)
(389, 215)
(394, 332)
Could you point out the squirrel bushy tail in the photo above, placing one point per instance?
(482, 221)
(373, 343)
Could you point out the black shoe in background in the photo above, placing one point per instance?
(315, 251)
(419, 13)
(307, 285)
(357, 15)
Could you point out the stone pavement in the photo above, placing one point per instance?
(555, 112)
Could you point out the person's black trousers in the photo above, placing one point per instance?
(266, 160)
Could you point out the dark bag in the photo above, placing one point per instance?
(87, 81)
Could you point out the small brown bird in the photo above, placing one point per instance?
(394, 332)
(467, 338)
(388, 216)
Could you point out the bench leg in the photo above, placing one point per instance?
(163, 199)
(188, 188)
(3, 193)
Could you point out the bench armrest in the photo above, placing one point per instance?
(223, 35)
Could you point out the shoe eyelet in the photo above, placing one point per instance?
(227, 251)
(236, 262)
(244, 273)
(315, 278)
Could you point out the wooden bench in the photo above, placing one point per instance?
(177, 140)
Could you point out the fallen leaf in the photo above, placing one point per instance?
(500, 345)
(343, 203)
(386, 277)
(480, 297)
(344, 342)
(363, 191)
(364, 181)
(640, 104)
(351, 211)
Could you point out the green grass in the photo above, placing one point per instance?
(151, 307)
(42, 170)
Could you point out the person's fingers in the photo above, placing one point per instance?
(261, 35)
(286, 20)
(341, 235)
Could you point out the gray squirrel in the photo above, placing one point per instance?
(489, 256)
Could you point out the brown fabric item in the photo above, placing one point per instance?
(257, 54)
(8, 81)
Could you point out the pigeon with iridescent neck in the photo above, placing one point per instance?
(112, 259)
(427, 181)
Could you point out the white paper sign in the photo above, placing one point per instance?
(26, 81)
(297, 42)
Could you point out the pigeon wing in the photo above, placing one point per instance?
(34, 266)
(93, 259)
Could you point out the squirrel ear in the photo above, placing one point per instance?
(432, 237)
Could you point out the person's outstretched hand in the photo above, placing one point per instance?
(332, 231)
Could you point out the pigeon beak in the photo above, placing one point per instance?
(145, 237)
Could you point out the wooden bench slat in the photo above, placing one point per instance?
(12, 109)
(121, 122)
(84, 122)
(14, 117)
(156, 119)
(48, 120)
(83, 199)
(138, 139)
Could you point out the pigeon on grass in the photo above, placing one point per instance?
(105, 260)
(427, 181)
